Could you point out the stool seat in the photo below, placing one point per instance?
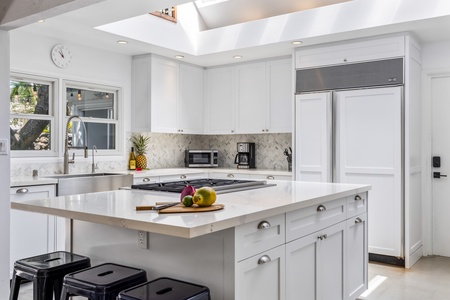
(166, 289)
(103, 282)
(47, 272)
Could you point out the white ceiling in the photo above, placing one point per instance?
(79, 26)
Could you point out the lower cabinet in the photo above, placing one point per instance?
(31, 233)
(262, 276)
(315, 265)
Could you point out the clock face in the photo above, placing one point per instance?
(61, 56)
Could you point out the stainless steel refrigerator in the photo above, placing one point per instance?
(348, 129)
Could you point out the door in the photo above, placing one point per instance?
(313, 137)
(440, 88)
(368, 135)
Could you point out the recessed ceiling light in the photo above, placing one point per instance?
(296, 42)
(179, 56)
(122, 42)
(41, 21)
(237, 56)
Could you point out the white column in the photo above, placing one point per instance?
(4, 165)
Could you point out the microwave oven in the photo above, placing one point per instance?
(201, 158)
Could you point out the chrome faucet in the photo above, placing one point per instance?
(68, 161)
(93, 159)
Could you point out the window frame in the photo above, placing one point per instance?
(52, 115)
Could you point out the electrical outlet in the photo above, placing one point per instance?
(142, 239)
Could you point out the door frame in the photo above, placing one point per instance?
(427, 134)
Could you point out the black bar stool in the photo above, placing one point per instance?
(166, 289)
(102, 282)
(46, 272)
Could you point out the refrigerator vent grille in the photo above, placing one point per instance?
(359, 75)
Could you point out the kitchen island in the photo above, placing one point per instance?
(276, 242)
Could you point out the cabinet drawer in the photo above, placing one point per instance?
(259, 236)
(356, 204)
(350, 52)
(146, 179)
(182, 177)
(229, 175)
(262, 276)
(32, 192)
(310, 219)
(271, 177)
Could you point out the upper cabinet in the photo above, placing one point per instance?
(250, 98)
(166, 96)
(350, 52)
(172, 97)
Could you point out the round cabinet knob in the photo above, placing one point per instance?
(183, 176)
(345, 60)
(270, 177)
(321, 208)
(232, 131)
(358, 198)
(22, 191)
(146, 179)
(263, 260)
(230, 176)
(264, 225)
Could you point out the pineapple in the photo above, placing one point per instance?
(140, 144)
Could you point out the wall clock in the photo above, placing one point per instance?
(61, 56)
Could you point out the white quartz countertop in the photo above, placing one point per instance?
(117, 208)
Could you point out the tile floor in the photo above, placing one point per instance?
(429, 279)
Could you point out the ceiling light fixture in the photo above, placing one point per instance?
(122, 42)
(296, 42)
(179, 56)
(79, 95)
(237, 56)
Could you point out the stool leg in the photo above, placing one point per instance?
(64, 294)
(57, 287)
(15, 286)
(42, 289)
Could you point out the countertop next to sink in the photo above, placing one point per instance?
(41, 180)
(117, 208)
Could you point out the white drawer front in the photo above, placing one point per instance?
(259, 236)
(356, 204)
(310, 219)
(271, 177)
(145, 180)
(229, 175)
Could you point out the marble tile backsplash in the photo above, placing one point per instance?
(167, 151)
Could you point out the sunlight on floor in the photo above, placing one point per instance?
(373, 284)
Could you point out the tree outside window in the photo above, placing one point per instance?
(31, 118)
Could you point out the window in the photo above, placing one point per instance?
(97, 107)
(32, 119)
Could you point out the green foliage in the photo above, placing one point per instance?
(140, 143)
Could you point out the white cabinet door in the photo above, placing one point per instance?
(261, 276)
(140, 95)
(190, 108)
(219, 109)
(313, 137)
(315, 265)
(251, 98)
(280, 95)
(369, 151)
(31, 233)
(350, 52)
(164, 95)
(357, 256)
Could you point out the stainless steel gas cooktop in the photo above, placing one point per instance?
(220, 185)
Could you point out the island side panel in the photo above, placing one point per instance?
(206, 260)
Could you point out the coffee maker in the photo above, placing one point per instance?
(245, 158)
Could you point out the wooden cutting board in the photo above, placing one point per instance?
(180, 208)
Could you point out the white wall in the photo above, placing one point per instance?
(4, 166)
(31, 54)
